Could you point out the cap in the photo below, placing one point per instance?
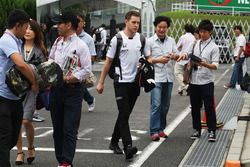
(64, 18)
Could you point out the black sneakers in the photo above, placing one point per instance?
(115, 148)
(211, 136)
(130, 152)
(196, 134)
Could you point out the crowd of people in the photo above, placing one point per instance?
(23, 44)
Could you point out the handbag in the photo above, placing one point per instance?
(247, 50)
(187, 73)
(90, 80)
(189, 66)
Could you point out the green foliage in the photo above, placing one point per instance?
(6, 6)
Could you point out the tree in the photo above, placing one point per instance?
(5, 8)
(8, 5)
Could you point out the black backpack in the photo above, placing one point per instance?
(245, 83)
(98, 36)
(116, 61)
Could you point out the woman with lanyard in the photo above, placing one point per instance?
(202, 80)
(34, 53)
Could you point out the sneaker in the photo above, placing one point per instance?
(196, 134)
(115, 148)
(211, 136)
(163, 135)
(92, 106)
(227, 86)
(37, 118)
(155, 137)
(64, 164)
(130, 152)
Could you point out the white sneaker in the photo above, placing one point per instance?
(92, 106)
(37, 118)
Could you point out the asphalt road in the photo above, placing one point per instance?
(97, 126)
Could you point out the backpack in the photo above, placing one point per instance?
(247, 47)
(245, 83)
(247, 50)
(98, 37)
(116, 61)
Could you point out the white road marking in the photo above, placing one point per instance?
(46, 133)
(221, 76)
(139, 131)
(146, 152)
(84, 132)
(133, 138)
(46, 149)
(154, 145)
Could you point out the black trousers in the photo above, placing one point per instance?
(65, 107)
(203, 94)
(11, 116)
(126, 95)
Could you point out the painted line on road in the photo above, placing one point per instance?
(146, 152)
(84, 132)
(220, 78)
(154, 145)
(77, 150)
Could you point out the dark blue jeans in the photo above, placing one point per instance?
(160, 103)
(11, 116)
(87, 96)
(66, 104)
(237, 74)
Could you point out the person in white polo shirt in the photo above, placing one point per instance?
(239, 58)
(183, 45)
(202, 79)
(126, 91)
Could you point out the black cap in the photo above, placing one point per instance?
(66, 17)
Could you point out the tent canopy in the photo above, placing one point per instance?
(44, 2)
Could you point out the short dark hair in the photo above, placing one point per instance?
(78, 14)
(67, 17)
(103, 25)
(132, 13)
(206, 25)
(17, 16)
(159, 19)
(238, 27)
(189, 28)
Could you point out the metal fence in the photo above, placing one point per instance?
(233, 10)
(223, 34)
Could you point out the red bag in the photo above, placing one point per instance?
(247, 50)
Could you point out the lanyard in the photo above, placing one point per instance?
(204, 47)
(20, 52)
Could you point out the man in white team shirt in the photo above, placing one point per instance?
(183, 45)
(239, 57)
(126, 91)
